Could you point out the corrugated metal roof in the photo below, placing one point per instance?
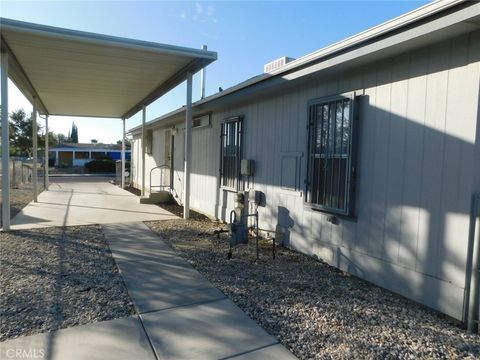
(85, 74)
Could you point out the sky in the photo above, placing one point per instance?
(245, 34)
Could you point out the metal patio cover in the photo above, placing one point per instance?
(85, 74)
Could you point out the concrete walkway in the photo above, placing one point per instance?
(85, 201)
(181, 315)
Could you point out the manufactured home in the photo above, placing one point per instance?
(366, 154)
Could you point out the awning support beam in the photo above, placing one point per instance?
(144, 119)
(188, 149)
(122, 182)
(35, 151)
(21, 79)
(169, 84)
(5, 144)
(46, 157)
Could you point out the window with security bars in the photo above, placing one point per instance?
(331, 132)
(231, 151)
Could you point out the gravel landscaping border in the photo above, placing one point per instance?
(57, 277)
(315, 310)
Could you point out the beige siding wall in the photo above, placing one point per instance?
(156, 158)
(417, 126)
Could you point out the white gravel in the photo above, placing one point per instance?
(315, 310)
(57, 277)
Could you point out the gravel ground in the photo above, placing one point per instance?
(57, 277)
(19, 198)
(315, 310)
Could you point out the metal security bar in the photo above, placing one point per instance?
(330, 152)
(231, 150)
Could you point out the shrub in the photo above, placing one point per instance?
(101, 165)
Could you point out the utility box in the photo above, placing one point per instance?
(238, 233)
(246, 167)
(238, 227)
(255, 196)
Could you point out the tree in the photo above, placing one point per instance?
(22, 139)
(52, 139)
(127, 143)
(62, 138)
(74, 134)
(94, 141)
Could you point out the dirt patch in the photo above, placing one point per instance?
(133, 190)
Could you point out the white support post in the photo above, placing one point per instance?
(35, 152)
(188, 149)
(46, 162)
(144, 117)
(474, 287)
(203, 77)
(5, 145)
(123, 155)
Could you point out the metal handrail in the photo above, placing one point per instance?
(161, 167)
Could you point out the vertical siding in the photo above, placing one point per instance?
(417, 126)
(428, 242)
(379, 166)
(414, 142)
(396, 158)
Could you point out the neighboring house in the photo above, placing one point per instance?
(367, 152)
(70, 154)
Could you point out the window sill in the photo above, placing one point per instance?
(229, 189)
(313, 208)
(209, 126)
(291, 192)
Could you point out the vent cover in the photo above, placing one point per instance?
(275, 64)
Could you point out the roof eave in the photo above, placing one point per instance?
(179, 77)
(297, 69)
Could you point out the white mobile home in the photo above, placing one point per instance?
(367, 153)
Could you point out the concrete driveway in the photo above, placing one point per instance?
(85, 201)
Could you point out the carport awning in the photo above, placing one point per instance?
(85, 74)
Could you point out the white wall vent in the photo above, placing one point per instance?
(275, 64)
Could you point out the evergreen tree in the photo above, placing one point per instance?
(74, 134)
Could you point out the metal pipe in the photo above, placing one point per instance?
(273, 248)
(5, 144)
(47, 157)
(35, 151)
(123, 156)
(203, 77)
(144, 117)
(473, 301)
(256, 231)
(188, 149)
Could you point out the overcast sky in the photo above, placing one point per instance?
(246, 35)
